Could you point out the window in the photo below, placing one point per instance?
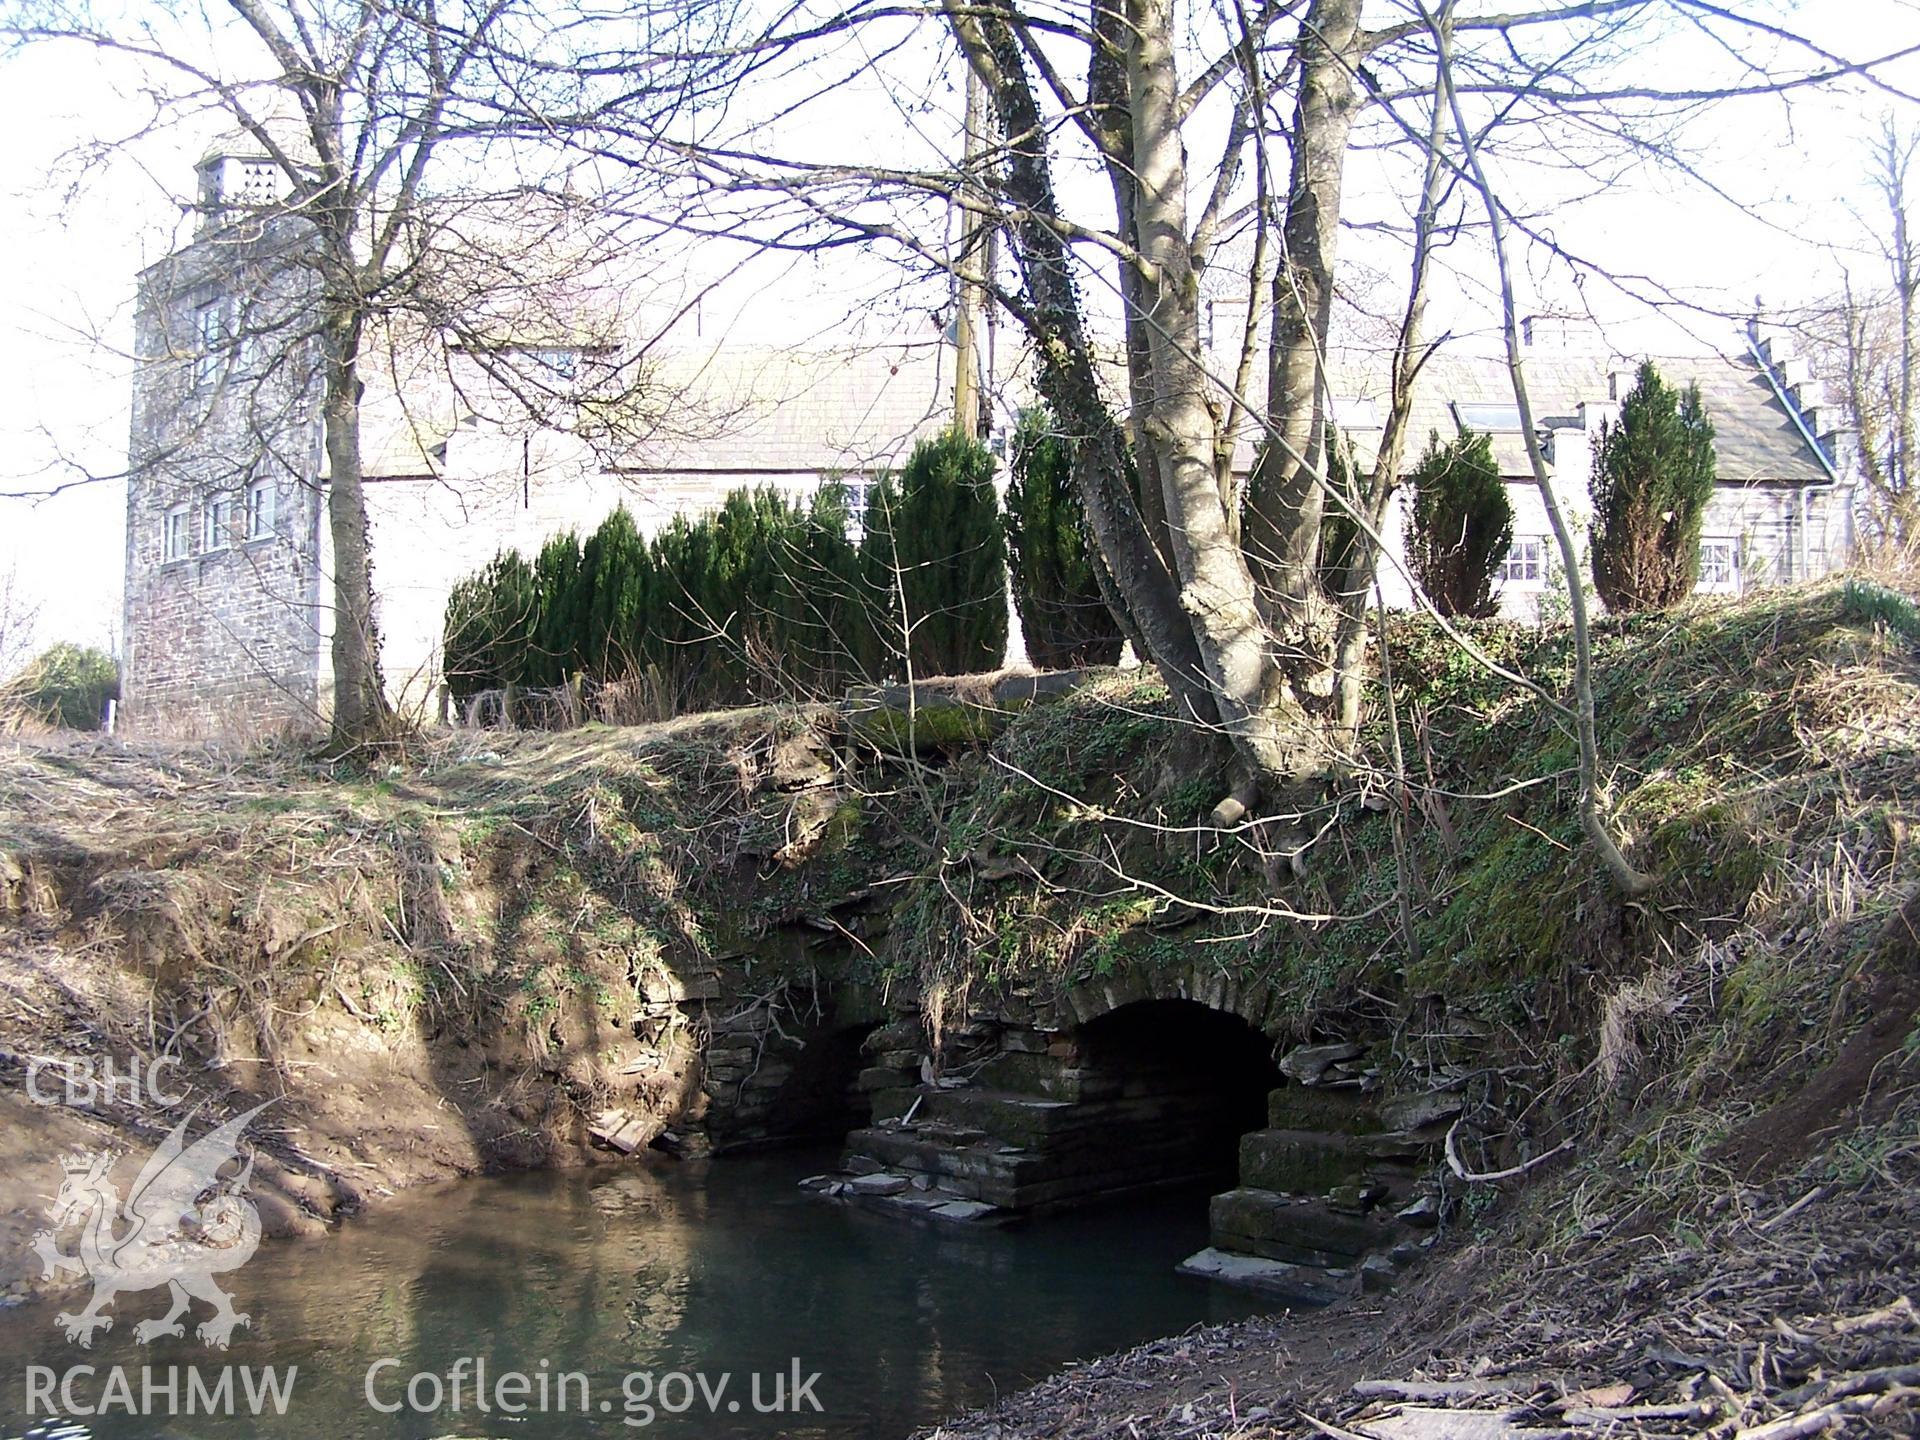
(218, 517)
(1493, 419)
(859, 497)
(260, 508)
(1525, 562)
(176, 536)
(1719, 565)
(210, 338)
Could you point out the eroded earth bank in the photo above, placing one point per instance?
(1572, 1165)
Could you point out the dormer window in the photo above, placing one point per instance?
(1489, 419)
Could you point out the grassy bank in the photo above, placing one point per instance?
(1701, 1110)
(1763, 761)
(445, 966)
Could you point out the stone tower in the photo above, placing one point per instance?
(224, 623)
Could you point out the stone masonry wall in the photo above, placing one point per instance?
(224, 638)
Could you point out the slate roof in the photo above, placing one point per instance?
(1755, 437)
(739, 409)
(747, 408)
(730, 409)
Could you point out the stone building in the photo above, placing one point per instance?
(1781, 512)
(223, 626)
(228, 615)
(228, 588)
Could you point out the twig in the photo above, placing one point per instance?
(1858, 1382)
(1333, 1430)
(1900, 1312)
(1805, 1200)
(1813, 1422)
(1489, 1176)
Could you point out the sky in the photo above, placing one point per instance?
(1795, 208)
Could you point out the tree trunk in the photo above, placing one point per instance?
(360, 710)
(1283, 529)
(1179, 427)
(1905, 511)
(1066, 377)
(1201, 614)
(1109, 99)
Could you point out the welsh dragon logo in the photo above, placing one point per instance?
(183, 1225)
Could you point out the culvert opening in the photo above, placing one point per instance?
(821, 1099)
(1186, 1083)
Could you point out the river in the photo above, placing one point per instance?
(654, 1299)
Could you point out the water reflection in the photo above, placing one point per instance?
(722, 1270)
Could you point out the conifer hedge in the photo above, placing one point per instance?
(767, 597)
(934, 561)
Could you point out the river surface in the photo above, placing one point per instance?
(664, 1295)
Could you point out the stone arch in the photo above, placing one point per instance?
(779, 1063)
(1199, 983)
(1164, 1087)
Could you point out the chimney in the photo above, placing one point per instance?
(234, 183)
(1595, 413)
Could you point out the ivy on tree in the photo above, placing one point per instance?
(1063, 616)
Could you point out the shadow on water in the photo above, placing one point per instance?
(712, 1269)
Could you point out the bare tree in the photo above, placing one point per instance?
(19, 614)
(1863, 345)
(410, 189)
(1221, 131)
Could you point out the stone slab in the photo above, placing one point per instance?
(1300, 1162)
(1294, 1284)
(1419, 1111)
(625, 1131)
(964, 1210)
(1302, 1107)
(881, 1183)
(1281, 1227)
